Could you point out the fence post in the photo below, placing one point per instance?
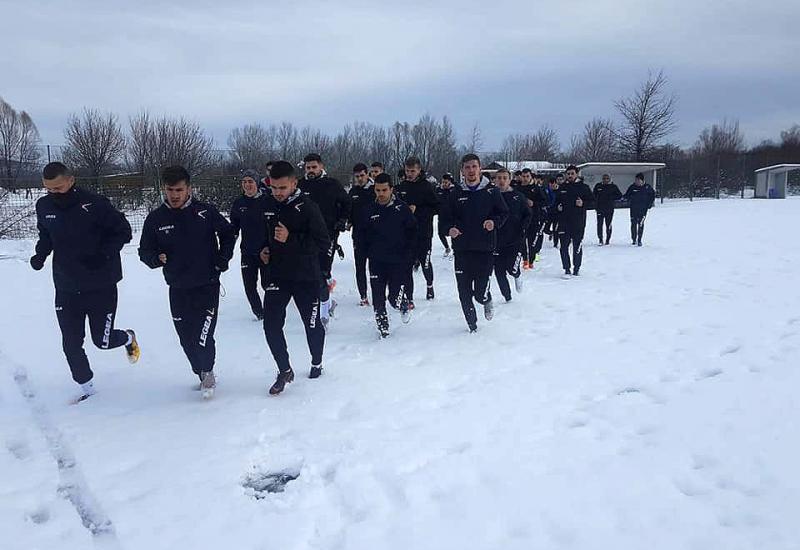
(48, 154)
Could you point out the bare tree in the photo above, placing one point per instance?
(252, 145)
(94, 142)
(596, 142)
(648, 116)
(287, 142)
(724, 138)
(475, 141)
(543, 145)
(790, 138)
(19, 141)
(167, 141)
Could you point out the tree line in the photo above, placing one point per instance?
(99, 143)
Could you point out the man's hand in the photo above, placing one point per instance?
(579, 202)
(488, 225)
(37, 262)
(530, 203)
(560, 208)
(162, 258)
(221, 264)
(264, 255)
(412, 207)
(454, 232)
(281, 233)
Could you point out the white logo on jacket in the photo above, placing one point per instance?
(202, 213)
(86, 206)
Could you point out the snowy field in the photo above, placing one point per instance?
(649, 403)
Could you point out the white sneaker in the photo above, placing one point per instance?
(208, 385)
(488, 310)
(87, 390)
(405, 316)
(518, 283)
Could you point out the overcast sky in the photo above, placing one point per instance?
(509, 66)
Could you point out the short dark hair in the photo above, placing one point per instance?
(526, 171)
(551, 179)
(173, 175)
(518, 173)
(470, 157)
(401, 173)
(412, 161)
(504, 171)
(447, 176)
(360, 167)
(55, 169)
(312, 157)
(640, 176)
(572, 167)
(377, 164)
(282, 169)
(384, 178)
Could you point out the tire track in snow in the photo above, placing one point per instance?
(72, 485)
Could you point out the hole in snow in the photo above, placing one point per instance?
(260, 484)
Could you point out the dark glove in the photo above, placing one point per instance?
(37, 262)
(221, 264)
(341, 226)
(94, 262)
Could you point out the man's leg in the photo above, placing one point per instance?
(276, 298)
(634, 227)
(206, 303)
(609, 221)
(425, 260)
(101, 307)
(378, 281)
(600, 221)
(361, 270)
(640, 225)
(72, 321)
(464, 283)
(539, 240)
(501, 269)
(307, 303)
(443, 239)
(180, 305)
(565, 240)
(481, 272)
(577, 248)
(251, 265)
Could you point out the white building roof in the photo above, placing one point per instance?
(779, 168)
(620, 168)
(533, 165)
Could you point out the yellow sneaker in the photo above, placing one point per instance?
(132, 350)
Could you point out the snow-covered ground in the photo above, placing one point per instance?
(649, 403)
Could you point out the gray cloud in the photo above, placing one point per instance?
(508, 65)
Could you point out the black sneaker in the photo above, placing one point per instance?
(473, 328)
(488, 310)
(340, 251)
(383, 325)
(429, 293)
(639, 243)
(284, 377)
(315, 372)
(575, 271)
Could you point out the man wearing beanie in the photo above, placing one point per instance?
(249, 217)
(85, 233)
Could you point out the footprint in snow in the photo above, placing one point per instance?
(709, 373)
(730, 349)
(18, 448)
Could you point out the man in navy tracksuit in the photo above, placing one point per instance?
(474, 215)
(334, 204)
(362, 196)
(389, 234)
(443, 191)
(193, 244)
(85, 233)
(573, 198)
(248, 216)
(606, 194)
(511, 235)
(296, 239)
(418, 193)
(641, 197)
(536, 200)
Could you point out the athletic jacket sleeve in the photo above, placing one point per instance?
(526, 214)
(236, 220)
(44, 246)
(588, 197)
(116, 230)
(627, 194)
(499, 209)
(617, 192)
(343, 206)
(148, 244)
(447, 218)
(225, 234)
(652, 194)
(596, 191)
(410, 225)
